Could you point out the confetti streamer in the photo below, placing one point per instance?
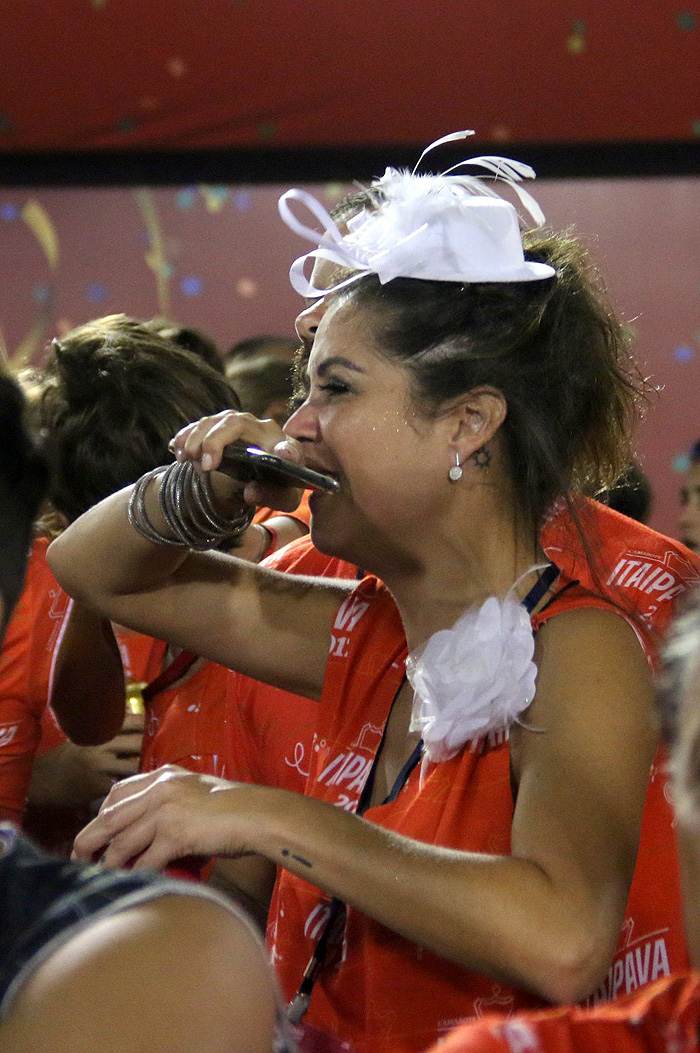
(39, 222)
(36, 335)
(155, 256)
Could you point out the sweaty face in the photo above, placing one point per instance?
(360, 424)
(689, 519)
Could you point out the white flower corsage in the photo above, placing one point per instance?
(473, 678)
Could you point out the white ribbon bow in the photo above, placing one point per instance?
(439, 227)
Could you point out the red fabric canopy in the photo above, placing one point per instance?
(127, 74)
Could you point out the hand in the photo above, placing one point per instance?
(121, 756)
(69, 776)
(204, 441)
(166, 814)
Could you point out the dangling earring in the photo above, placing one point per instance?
(455, 473)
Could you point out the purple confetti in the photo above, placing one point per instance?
(191, 286)
(97, 293)
(684, 353)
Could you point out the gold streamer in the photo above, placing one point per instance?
(39, 222)
(25, 351)
(155, 254)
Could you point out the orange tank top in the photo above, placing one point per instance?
(381, 992)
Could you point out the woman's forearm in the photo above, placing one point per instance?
(498, 915)
(507, 917)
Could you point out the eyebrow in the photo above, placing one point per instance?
(337, 360)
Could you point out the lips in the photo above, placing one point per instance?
(317, 466)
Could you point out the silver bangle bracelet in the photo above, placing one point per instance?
(138, 517)
(187, 504)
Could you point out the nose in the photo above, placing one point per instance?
(308, 321)
(303, 423)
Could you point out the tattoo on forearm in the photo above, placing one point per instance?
(299, 859)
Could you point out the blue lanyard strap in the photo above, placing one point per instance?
(543, 583)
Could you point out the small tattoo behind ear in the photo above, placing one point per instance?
(482, 457)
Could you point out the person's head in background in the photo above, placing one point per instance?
(263, 385)
(631, 495)
(282, 347)
(689, 519)
(679, 708)
(23, 481)
(114, 394)
(188, 338)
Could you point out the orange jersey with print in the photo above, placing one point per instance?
(379, 992)
(25, 663)
(186, 723)
(271, 731)
(27, 724)
(662, 1018)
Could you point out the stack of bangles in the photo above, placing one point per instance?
(188, 508)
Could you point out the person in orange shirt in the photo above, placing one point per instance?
(81, 949)
(88, 379)
(110, 396)
(36, 760)
(467, 387)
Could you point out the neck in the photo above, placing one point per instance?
(471, 557)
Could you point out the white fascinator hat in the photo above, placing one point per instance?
(449, 227)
